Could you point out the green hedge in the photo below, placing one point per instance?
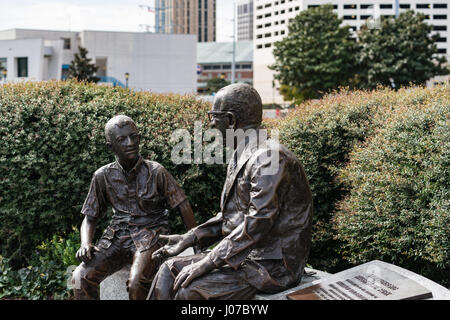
(398, 209)
(48, 273)
(323, 134)
(53, 141)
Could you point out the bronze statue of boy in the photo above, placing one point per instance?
(139, 192)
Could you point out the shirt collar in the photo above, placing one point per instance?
(134, 170)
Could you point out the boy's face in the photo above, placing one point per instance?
(125, 143)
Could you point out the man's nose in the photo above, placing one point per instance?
(213, 123)
(129, 141)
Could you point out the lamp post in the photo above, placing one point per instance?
(233, 63)
(127, 75)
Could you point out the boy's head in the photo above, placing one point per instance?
(122, 138)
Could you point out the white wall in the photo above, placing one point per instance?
(156, 62)
(33, 49)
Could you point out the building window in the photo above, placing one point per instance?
(259, 46)
(66, 44)
(423, 6)
(405, 6)
(439, 6)
(440, 28)
(349, 6)
(267, 45)
(313, 6)
(366, 6)
(22, 67)
(385, 6)
(442, 50)
(365, 17)
(267, 35)
(3, 68)
(259, 36)
(441, 39)
(349, 17)
(440, 16)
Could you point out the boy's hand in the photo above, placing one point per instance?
(175, 245)
(85, 252)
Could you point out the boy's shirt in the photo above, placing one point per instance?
(139, 199)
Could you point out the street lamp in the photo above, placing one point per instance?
(127, 75)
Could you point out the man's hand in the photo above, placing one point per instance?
(193, 271)
(85, 252)
(175, 245)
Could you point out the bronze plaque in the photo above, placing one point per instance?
(375, 280)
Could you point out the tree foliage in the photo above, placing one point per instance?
(215, 85)
(399, 51)
(81, 67)
(317, 55)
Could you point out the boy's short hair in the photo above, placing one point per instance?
(120, 121)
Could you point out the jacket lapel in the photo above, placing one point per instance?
(233, 171)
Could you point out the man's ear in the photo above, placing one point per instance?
(232, 122)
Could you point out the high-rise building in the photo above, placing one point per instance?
(244, 20)
(187, 17)
(271, 19)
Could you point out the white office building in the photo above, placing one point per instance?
(271, 18)
(160, 63)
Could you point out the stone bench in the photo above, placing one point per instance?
(114, 287)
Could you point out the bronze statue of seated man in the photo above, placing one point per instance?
(262, 235)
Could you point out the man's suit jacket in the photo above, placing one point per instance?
(265, 223)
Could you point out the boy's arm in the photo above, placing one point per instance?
(87, 232)
(187, 215)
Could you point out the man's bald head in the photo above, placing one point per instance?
(243, 100)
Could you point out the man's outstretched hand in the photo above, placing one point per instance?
(175, 245)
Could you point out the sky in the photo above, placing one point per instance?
(103, 15)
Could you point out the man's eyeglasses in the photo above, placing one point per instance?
(216, 114)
